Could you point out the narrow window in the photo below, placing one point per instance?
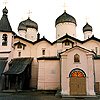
(76, 58)
(19, 54)
(23, 47)
(43, 52)
(67, 43)
(19, 46)
(4, 40)
(96, 50)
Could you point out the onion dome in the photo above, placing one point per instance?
(22, 26)
(28, 24)
(65, 18)
(5, 11)
(4, 22)
(87, 27)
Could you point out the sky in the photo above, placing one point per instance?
(45, 12)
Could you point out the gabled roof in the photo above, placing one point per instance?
(37, 41)
(79, 48)
(16, 36)
(62, 39)
(42, 39)
(77, 40)
(92, 38)
(19, 43)
(68, 36)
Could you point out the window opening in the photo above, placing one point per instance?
(96, 50)
(19, 46)
(19, 54)
(67, 43)
(43, 52)
(76, 58)
(77, 73)
(4, 40)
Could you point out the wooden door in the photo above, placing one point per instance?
(77, 86)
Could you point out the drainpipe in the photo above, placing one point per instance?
(60, 74)
(94, 75)
(59, 90)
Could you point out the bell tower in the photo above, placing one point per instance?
(6, 35)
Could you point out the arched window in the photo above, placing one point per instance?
(76, 58)
(43, 52)
(19, 54)
(4, 40)
(19, 46)
(77, 73)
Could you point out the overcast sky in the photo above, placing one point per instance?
(45, 12)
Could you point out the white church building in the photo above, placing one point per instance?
(67, 64)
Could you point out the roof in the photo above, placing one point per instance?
(92, 38)
(87, 27)
(4, 22)
(79, 48)
(68, 36)
(27, 24)
(77, 40)
(39, 40)
(49, 58)
(60, 39)
(42, 39)
(96, 57)
(19, 43)
(65, 18)
(3, 62)
(22, 26)
(18, 65)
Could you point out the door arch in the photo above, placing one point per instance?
(77, 82)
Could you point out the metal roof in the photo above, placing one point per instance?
(18, 65)
(27, 24)
(65, 17)
(2, 65)
(87, 27)
(4, 22)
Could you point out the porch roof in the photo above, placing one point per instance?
(18, 65)
(96, 57)
(2, 65)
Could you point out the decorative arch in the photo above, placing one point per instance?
(76, 58)
(4, 39)
(77, 73)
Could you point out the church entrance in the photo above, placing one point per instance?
(77, 82)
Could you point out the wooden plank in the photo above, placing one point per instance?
(97, 87)
(77, 86)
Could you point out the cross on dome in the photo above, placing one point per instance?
(87, 18)
(65, 7)
(29, 14)
(5, 2)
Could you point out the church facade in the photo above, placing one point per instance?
(67, 64)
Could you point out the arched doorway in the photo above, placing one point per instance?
(77, 82)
